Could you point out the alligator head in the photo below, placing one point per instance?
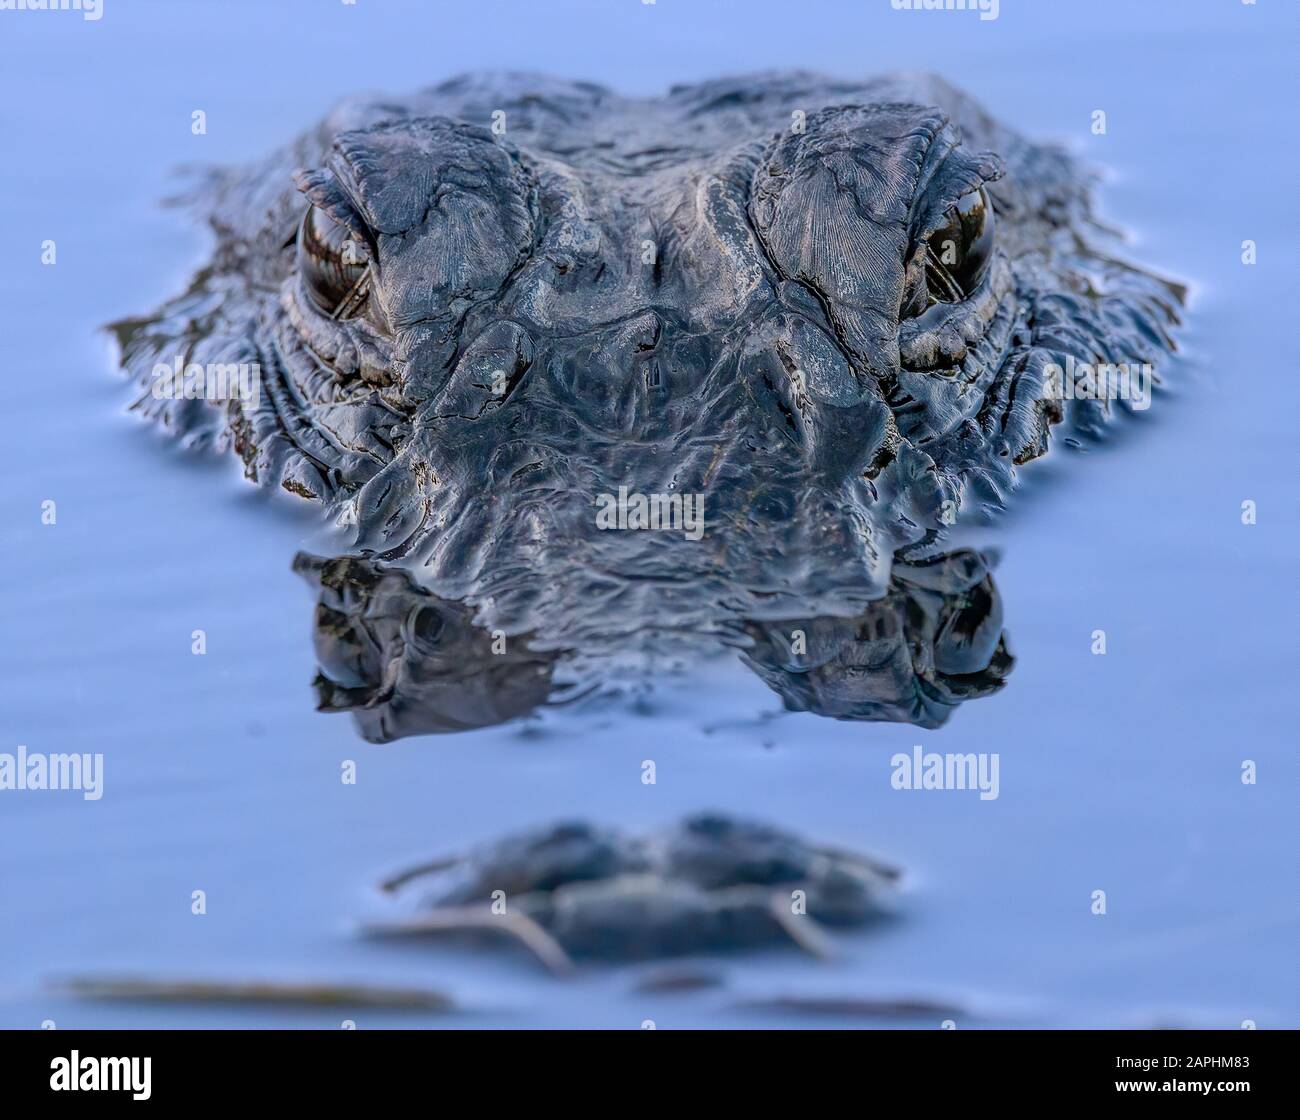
(792, 326)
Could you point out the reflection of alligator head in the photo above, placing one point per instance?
(406, 662)
(824, 315)
(934, 641)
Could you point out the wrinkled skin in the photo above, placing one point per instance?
(825, 307)
(712, 883)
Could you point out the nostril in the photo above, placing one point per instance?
(489, 371)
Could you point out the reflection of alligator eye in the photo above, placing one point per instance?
(333, 262)
(958, 252)
(428, 625)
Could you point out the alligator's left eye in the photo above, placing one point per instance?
(333, 263)
(958, 252)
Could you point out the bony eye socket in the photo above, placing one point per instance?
(333, 263)
(958, 252)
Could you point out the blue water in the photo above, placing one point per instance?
(1119, 773)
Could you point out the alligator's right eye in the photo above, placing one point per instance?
(334, 264)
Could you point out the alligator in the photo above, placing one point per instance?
(513, 333)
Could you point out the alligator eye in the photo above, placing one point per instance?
(427, 625)
(333, 263)
(958, 252)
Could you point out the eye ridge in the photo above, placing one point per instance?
(333, 264)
